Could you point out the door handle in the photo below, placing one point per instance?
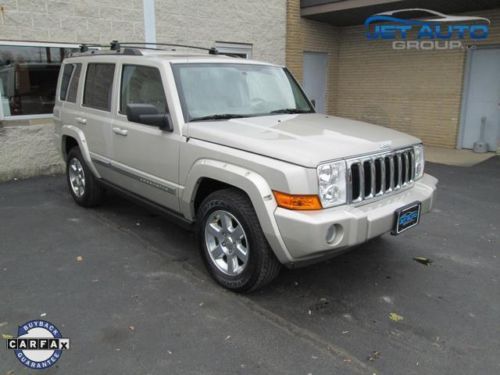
(81, 120)
(120, 131)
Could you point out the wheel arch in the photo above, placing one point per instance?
(208, 175)
(72, 136)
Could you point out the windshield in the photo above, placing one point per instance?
(227, 90)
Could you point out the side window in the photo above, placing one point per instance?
(67, 71)
(142, 85)
(99, 86)
(73, 85)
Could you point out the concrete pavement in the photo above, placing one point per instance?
(139, 300)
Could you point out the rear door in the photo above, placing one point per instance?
(95, 118)
(145, 158)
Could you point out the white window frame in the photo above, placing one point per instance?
(236, 48)
(17, 43)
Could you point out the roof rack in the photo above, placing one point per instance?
(134, 48)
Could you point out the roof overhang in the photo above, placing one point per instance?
(354, 12)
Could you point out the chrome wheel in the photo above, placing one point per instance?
(76, 177)
(226, 243)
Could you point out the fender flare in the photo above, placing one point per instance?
(77, 134)
(253, 184)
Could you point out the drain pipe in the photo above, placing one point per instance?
(149, 22)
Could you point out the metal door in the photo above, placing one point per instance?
(482, 98)
(315, 75)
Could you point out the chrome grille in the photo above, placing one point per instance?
(376, 175)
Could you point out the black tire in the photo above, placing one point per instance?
(93, 193)
(262, 266)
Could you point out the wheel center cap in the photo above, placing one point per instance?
(228, 244)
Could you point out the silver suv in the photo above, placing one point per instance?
(235, 148)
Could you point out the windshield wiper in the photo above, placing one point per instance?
(219, 116)
(291, 110)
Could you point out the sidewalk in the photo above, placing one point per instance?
(460, 158)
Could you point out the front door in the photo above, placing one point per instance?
(315, 76)
(482, 101)
(145, 158)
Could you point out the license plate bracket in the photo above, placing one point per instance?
(406, 217)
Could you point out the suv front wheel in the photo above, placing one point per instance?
(232, 243)
(83, 186)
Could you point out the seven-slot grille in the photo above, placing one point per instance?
(375, 175)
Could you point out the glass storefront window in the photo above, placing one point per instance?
(28, 78)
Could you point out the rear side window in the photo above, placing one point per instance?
(142, 85)
(98, 86)
(67, 71)
(73, 84)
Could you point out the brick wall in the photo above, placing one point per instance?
(72, 20)
(258, 22)
(311, 36)
(418, 92)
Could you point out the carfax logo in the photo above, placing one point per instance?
(39, 344)
(440, 31)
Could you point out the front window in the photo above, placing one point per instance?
(228, 90)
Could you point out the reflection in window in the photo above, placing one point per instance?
(28, 78)
(142, 84)
(98, 86)
(73, 85)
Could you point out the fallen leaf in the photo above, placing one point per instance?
(132, 328)
(373, 356)
(79, 258)
(395, 317)
(423, 260)
(227, 338)
(6, 336)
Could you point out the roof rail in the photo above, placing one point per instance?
(132, 48)
(116, 45)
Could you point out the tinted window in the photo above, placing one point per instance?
(73, 85)
(28, 78)
(142, 85)
(68, 69)
(98, 86)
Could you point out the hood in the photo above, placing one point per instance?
(302, 139)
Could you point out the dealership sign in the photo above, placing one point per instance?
(439, 32)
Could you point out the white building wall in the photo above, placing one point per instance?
(97, 21)
(261, 23)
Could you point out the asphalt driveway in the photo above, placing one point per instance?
(129, 290)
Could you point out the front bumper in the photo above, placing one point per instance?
(307, 234)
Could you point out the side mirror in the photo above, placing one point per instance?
(313, 102)
(148, 114)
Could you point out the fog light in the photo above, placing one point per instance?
(332, 233)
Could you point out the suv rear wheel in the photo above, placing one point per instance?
(83, 186)
(232, 243)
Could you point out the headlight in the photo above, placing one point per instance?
(419, 161)
(332, 184)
